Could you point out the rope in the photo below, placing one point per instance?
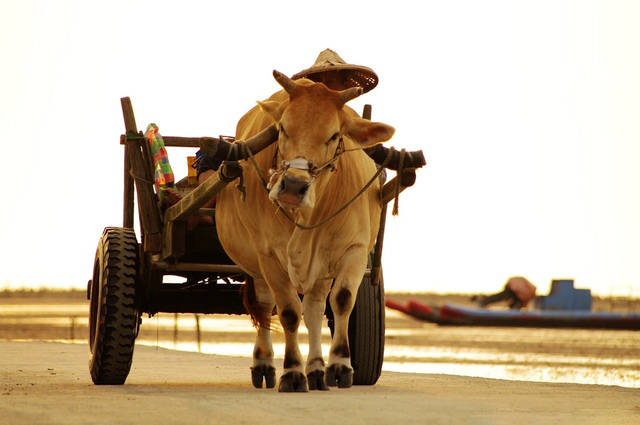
(138, 178)
(255, 165)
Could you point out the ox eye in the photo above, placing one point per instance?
(284, 133)
(333, 138)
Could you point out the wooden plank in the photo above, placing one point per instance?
(192, 202)
(407, 179)
(181, 142)
(196, 267)
(210, 145)
(176, 141)
(206, 212)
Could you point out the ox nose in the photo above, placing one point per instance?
(293, 186)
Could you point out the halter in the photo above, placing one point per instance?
(267, 186)
(301, 163)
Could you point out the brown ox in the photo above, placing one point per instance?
(321, 166)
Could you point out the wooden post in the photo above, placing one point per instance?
(127, 114)
(198, 332)
(130, 125)
(175, 329)
(174, 239)
(366, 112)
(127, 210)
(147, 203)
(376, 263)
(72, 334)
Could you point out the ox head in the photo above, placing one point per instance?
(312, 125)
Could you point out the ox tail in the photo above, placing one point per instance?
(260, 313)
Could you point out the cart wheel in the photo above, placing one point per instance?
(366, 332)
(113, 316)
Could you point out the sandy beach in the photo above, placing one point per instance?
(47, 382)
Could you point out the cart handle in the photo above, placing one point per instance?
(223, 150)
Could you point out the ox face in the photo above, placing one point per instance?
(312, 126)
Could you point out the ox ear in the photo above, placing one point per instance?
(272, 108)
(368, 133)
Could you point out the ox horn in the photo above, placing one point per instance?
(350, 94)
(287, 83)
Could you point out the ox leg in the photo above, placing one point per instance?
(263, 368)
(290, 312)
(342, 299)
(313, 306)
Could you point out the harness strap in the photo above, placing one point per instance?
(341, 209)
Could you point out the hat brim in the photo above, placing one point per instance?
(358, 76)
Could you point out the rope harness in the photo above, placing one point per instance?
(304, 164)
(301, 163)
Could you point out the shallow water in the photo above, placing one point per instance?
(547, 355)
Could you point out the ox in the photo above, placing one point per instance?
(317, 166)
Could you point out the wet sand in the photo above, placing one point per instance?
(546, 355)
(48, 383)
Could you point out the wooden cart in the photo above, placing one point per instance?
(128, 271)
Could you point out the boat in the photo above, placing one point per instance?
(564, 307)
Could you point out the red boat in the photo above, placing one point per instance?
(451, 314)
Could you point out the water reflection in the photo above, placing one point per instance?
(562, 374)
(545, 355)
(531, 367)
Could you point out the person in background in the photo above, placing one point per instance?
(518, 291)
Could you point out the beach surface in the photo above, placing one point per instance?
(187, 369)
(48, 383)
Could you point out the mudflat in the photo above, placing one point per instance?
(49, 383)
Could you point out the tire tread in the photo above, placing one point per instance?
(112, 354)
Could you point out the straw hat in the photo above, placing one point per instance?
(352, 75)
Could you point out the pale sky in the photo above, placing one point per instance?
(528, 113)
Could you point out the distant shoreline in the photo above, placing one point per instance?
(50, 295)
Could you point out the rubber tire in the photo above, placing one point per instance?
(113, 316)
(366, 332)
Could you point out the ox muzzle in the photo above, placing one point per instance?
(290, 185)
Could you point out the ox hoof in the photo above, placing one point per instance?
(316, 381)
(266, 372)
(340, 375)
(293, 382)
